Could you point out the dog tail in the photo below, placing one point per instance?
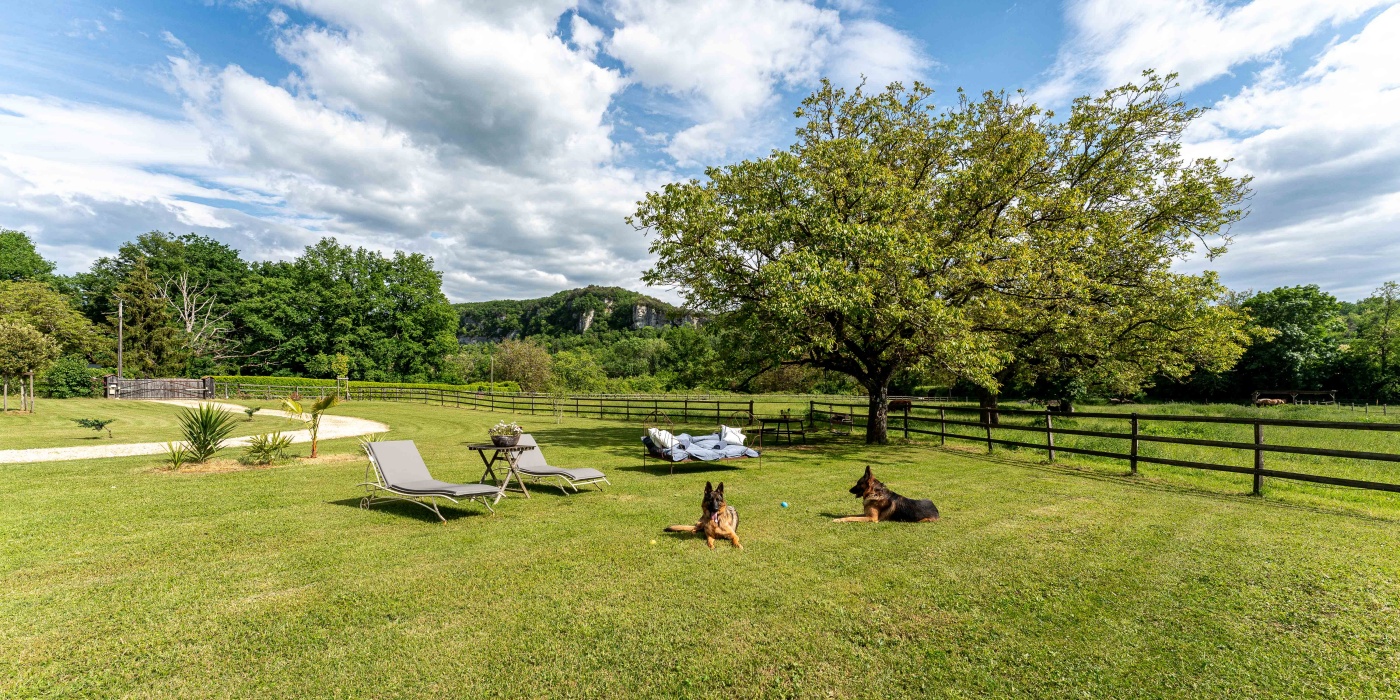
(681, 528)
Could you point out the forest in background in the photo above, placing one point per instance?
(193, 306)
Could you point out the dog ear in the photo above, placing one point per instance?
(708, 487)
(867, 470)
(720, 490)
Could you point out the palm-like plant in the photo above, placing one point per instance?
(311, 414)
(205, 429)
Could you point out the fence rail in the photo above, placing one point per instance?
(909, 421)
(582, 405)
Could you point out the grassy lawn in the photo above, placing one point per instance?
(136, 421)
(1068, 580)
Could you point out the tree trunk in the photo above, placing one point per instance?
(877, 421)
(7, 394)
(988, 404)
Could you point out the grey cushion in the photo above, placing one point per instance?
(532, 462)
(433, 487)
(403, 470)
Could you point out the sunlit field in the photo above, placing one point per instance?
(1042, 580)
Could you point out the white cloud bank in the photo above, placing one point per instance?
(1322, 140)
(473, 132)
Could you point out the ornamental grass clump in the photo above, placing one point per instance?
(265, 449)
(205, 430)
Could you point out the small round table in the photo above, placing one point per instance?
(506, 454)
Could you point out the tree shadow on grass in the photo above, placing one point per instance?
(408, 510)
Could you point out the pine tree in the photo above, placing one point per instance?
(151, 346)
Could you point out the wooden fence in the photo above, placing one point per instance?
(624, 408)
(909, 421)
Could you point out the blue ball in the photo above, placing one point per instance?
(785, 504)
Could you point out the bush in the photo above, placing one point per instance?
(205, 430)
(265, 449)
(69, 377)
(305, 382)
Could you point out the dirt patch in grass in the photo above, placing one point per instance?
(224, 466)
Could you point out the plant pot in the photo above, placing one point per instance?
(505, 440)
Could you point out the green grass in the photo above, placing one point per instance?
(1041, 581)
(136, 421)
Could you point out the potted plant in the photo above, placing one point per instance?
(505, 434)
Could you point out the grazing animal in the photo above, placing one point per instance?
(717, 518)
(884, 504)
(1269, 402)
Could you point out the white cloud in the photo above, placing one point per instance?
(585, 36)
(1325, 152)
(481, 133)
(728, 60)
(1112, 41)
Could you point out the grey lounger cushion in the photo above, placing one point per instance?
(532, 462)
(433, 487)
(403, 470)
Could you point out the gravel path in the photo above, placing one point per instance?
(331, 427)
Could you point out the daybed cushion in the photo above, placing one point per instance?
(731, 436)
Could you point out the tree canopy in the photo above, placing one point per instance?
(967, 241)
(19, 260)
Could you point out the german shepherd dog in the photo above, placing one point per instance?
(884, 504)
(717, 518)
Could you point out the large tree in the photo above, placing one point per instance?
(150, 343)
(52, 314)
(19, 260)
(1306, 325)
(895, 236)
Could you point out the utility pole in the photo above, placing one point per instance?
(120, 339)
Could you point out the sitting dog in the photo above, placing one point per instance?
(717, 518)
(884, 504)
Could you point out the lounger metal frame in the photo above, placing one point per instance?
(372, 489)
(571, 483)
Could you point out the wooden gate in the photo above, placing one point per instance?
(196, 389)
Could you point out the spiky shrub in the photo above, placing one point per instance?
(365, 440)
(205, 429)
(266, 449)
(250, 411)
(311, 414)
(97, 424)
(176, 455)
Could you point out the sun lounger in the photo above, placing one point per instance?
(399, 470)
(531, 463)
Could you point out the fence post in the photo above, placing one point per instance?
(1049, 434)
(685, 409)
(1132, 459)
(942, 429)
(988, 425)
(811, 413)
(1258, 458)
(906, 420)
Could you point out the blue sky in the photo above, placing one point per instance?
(508, 140)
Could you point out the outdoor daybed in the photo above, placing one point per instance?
(702, 448)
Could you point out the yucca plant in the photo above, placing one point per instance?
(311, 414)
(205, 429)
(365, 440)
(176, 454)
(266, 449)
(251, 410)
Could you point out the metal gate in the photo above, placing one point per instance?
(197, 389)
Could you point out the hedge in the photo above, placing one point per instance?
(501, 387)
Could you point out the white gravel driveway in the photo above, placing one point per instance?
(331, 427)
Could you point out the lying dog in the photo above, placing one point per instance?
(884, 504)
(717, 518)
